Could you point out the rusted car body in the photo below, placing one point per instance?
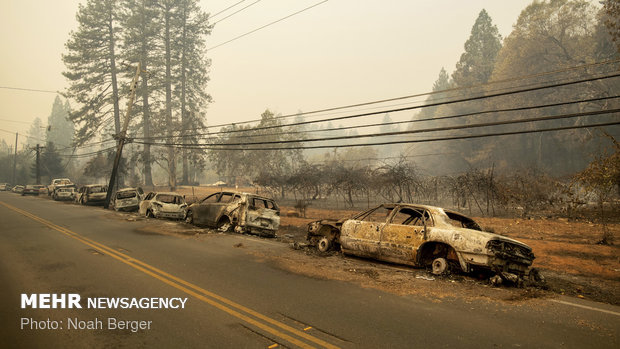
(92, 194)
(238, 211)
(163, 205)
(423, 236)
(127, 199)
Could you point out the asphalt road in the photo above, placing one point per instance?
(236, 299)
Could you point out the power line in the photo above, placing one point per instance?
(584, 66)
(27, 89)
(408, 132)
(456, 89)
(17, 121)
(226, 9)
(404, 141)
(234, 13)
(468, 99)
(288, 132)
(266, 25)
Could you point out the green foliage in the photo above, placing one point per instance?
(481, 49)
(92, 69)
(52, 164)
(61, 129)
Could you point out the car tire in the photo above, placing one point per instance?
(149, 214)
(224, 225)
(324, 244)
(189, 217)
(439, 266)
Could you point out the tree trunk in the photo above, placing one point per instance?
(172, 180)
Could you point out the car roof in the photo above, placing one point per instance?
(167, 193)
(244, 193)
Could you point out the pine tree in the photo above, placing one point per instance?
(140, 44)
(92, 69)
(191, 26)
(60, 127)
(481, 49)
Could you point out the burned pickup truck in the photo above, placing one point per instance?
(236, 211)
(423, 236)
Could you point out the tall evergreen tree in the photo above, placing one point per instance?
(60, 127)
(92, 69)
(141, 44)
(481, 49)
(192, 27)
(36, 133)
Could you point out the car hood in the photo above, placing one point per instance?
(482, 237)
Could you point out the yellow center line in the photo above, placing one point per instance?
(180, 283)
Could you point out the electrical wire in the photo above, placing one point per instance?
(234, 13)
(27, 89)
(226, 9)
(266, 25)
(288, 132)
(446, 91)
(448, 138)
(492, 95)
(408, 132)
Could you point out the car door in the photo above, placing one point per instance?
(144, 205)
(200, 211)
(403, 234)
(361, 236)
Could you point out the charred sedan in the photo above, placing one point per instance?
(423, 236)
(241, 212)
(32, 189)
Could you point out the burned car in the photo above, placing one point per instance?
(163, 205)
(65, 192)
(127, 199)
(236, 211)
(423, 236)
(92, 194)
(32, 189)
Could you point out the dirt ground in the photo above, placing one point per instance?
(566, 254)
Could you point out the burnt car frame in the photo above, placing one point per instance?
(236, 211)
(127, 199)
(92, 194)
(423, 236)
(32, 189)
(163, 205)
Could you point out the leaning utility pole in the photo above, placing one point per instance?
(122, 137)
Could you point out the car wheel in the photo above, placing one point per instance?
(439, 266)
(189, 217)
(224, 225)
(149, 214)
(324, 244)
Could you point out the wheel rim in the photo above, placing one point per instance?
(324, 244)
(439, 266)
(224, 226)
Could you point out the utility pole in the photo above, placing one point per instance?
(122, 137)
(15, 159)
(38, 164)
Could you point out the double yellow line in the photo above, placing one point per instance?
(239, 311)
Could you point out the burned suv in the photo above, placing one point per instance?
(241, 212)
(423, 236)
